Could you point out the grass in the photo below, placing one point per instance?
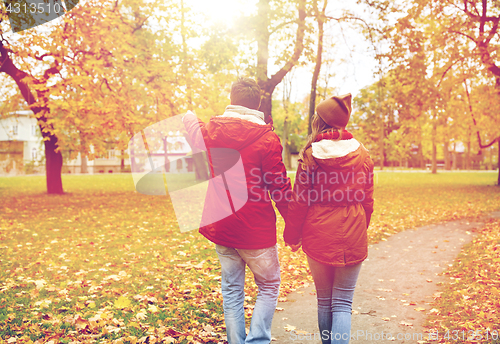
(408, 200)
(103, 263)
(466, 311)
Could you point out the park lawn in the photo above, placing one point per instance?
(104, 263)
(466, 311)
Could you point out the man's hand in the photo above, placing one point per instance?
(294, 247)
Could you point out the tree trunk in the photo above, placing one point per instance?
(381, 136)
(284, 142)
(199, 162)
(266, 104)
(490, 160)
(434, 157)
(132, 156)
(122, 161)
(317, 67)
(200, 167)
(434, 147)
(454, 156)
(287, 92)
(53, 166)
(467, 155)
(496, 71)
(288, 159)
(381, 125)
(185, 61)
(421, 161)
(84, 164)
(263, 34)
(165, 152)
(381, 154)
(447, 162)
(53, 158)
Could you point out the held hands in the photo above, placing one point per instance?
(294, 247)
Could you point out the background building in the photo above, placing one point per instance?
(21, 145)
(22, 151)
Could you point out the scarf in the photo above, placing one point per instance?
(333, 135)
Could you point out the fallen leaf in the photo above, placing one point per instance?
(122, 302)
(153, 309)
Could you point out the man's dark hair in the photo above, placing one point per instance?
(245, 92)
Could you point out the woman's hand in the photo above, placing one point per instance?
(295, 247)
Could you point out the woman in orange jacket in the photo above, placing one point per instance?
(330, 213)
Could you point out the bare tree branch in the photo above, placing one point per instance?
(448, 69)
(299, 46)
(282, 25)
(464, 34)
(474, 120)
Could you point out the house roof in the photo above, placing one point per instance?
(27, 113)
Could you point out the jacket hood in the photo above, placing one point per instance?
(237, 111)
(338, 155)
(237, 128)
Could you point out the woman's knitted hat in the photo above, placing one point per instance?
(335, 111)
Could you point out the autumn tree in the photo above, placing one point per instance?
(290, 120)
(474, 24)
(469, 28)
(375, 117)
(95, 77)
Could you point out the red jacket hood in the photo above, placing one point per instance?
(235, 133)
(336, 155)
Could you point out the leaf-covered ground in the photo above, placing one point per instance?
(103, 263)
(467, 309)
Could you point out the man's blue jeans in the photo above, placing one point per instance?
(266, 270)
(334, 290)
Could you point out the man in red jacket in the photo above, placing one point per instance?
(243, 226)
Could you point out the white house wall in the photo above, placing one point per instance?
(25, 120)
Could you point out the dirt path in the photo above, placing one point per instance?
(394, 290)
